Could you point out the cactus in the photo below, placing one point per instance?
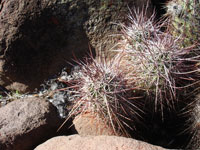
(192, 125)
(185, 20)
(159, 65)
(101, 89)
(140, 26)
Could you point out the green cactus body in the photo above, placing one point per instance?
(185, 15)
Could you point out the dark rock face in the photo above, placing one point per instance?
(26, 123)
(39, 37)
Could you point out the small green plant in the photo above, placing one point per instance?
(10, 97)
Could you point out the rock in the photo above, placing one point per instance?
(76, 142)
(25, 123)
(88, 124)
(39, 37)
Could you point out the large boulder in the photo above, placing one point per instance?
(28, 122)
(76, 142)
(39, 37)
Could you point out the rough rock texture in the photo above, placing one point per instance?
(26, 123)
(88, 124)
(102, 26)
(76, 142)
(38, 37)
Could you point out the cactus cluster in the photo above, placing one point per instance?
(162, 67)
(153, 66)
(184, 16)
(154, 73)
(165, 63)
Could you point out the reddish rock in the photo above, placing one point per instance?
(27, 122)
(88, 124)
(76, 142)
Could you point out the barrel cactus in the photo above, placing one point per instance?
(100, 89)
(185, 20)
